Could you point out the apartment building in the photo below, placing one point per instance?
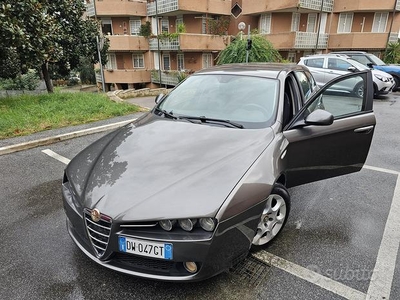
(187, 35)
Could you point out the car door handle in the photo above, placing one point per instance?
(365, 130)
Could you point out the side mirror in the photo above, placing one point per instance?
(370, 65)
(352, 69)
(319, 117)
(158, 98)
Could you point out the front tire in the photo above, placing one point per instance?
(396, 83)
(273, 217)
(359, 90)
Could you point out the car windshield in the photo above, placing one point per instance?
(246, 100)
(376, 60)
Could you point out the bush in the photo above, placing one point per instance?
(28, 81)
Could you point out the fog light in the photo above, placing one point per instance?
(167, 224)
(190, 266)
(187, 224)
(207, 224)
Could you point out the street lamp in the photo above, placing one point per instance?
(241, 27)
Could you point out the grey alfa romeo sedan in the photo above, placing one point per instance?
(184, 192)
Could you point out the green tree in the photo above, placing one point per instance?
(261, 51)
(47, 33)
(392, 54)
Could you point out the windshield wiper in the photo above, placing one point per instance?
(166, 114)
(204, 119)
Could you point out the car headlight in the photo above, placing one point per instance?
(207, 224)
(187, 224)
(382, 78)
(167, 224)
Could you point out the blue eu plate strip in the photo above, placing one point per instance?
(168, 251)
(122, 244)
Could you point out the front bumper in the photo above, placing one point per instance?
(384, 88)
(228, 245)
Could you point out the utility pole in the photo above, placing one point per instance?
(100, 44)
(158, 46)
(248, 46)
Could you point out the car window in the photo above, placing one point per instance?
(314, 62)
(361, 59)
(338, 64)
(339, 101)
(305, 84)
(248, 100)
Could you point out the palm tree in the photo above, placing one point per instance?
(261, 51)
(392, 54)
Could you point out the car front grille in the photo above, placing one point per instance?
(98, 232)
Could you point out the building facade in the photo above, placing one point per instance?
(159, 42)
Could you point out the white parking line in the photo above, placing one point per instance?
(381, 170)
(382, 277)
(310, 276)
(54, 155)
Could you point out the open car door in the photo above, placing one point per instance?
(332, 133)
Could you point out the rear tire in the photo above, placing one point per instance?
(273, 217)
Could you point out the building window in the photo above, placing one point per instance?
(291, 57)
(164, 25)
(179, 20)
(166, 62)
(295, 22)
(207, 60)
(138, 61)
(311, 22)
(135, 26)
(181, 62)
(111, 61)
(345, 22)
(236, 10)
(380, 21)
(265, 24)
(106, 27)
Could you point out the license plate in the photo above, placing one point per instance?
(145, 248)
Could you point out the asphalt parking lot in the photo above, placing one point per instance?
(341, 240)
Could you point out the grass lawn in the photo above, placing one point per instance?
(26, 114)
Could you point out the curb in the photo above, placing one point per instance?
(61, 137)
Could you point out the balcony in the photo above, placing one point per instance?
(166, 44)
(298, 40)
(126, 76)
(116, 8)
(364, 5)
(309, 40)
(173, 7)
(191, 42)
(167, 77)
(127, 43)
(302, 6)
(360, 40)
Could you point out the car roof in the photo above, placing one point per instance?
(350, 52)
(268, 70)
(341, 55)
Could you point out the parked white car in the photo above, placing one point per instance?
(325, 67)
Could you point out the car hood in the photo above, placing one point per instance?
(165, 169)
(388, 68)
(381, 73)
